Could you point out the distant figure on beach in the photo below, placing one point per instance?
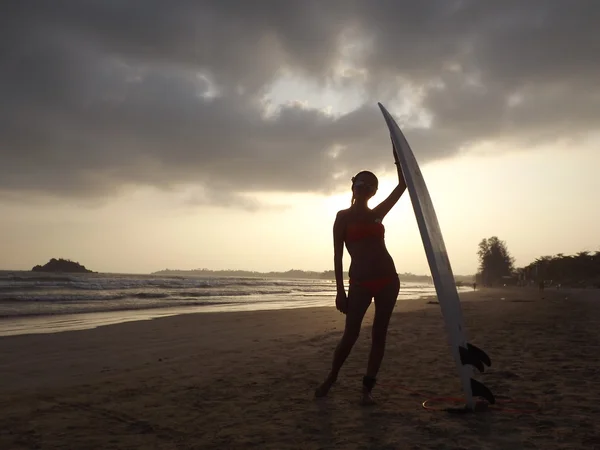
(541, 288)
(474, 286)
(372, 275)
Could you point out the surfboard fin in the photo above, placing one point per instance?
(479, 390)
(474, 356)
(480, 354)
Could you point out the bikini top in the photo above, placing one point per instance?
(361, 230)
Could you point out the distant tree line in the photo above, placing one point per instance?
(579, 270)
(496, 266)
(291, 274)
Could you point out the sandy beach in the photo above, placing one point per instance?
(246, 379)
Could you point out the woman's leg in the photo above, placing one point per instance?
(384, 306)
(359, 299)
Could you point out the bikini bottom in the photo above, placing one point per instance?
(375, 285)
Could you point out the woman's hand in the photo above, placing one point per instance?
(401, 181)
(341, 302)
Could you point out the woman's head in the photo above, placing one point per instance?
(364, 185)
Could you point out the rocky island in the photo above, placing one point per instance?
(61, 265)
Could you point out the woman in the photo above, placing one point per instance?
(372, 275)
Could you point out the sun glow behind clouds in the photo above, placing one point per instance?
(291, 88)
(341, 92)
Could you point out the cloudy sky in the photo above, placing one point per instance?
(140, 135)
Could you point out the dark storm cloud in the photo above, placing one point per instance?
(97, 95)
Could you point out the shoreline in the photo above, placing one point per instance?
(59, 323)
(62, 323)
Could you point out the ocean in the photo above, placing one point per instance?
(33, 302)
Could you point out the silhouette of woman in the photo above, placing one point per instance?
(372, 275)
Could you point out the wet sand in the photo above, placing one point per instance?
(246, 379)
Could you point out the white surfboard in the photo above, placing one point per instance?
(465, 355)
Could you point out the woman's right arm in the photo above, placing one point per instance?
(338, 250)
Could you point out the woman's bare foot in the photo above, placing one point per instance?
(322, 390)
(368, 384)
(367, 399)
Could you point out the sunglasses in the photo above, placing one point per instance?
(362, 183)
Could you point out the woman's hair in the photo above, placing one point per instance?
(363, 172)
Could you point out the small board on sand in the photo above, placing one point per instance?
(466, 356)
